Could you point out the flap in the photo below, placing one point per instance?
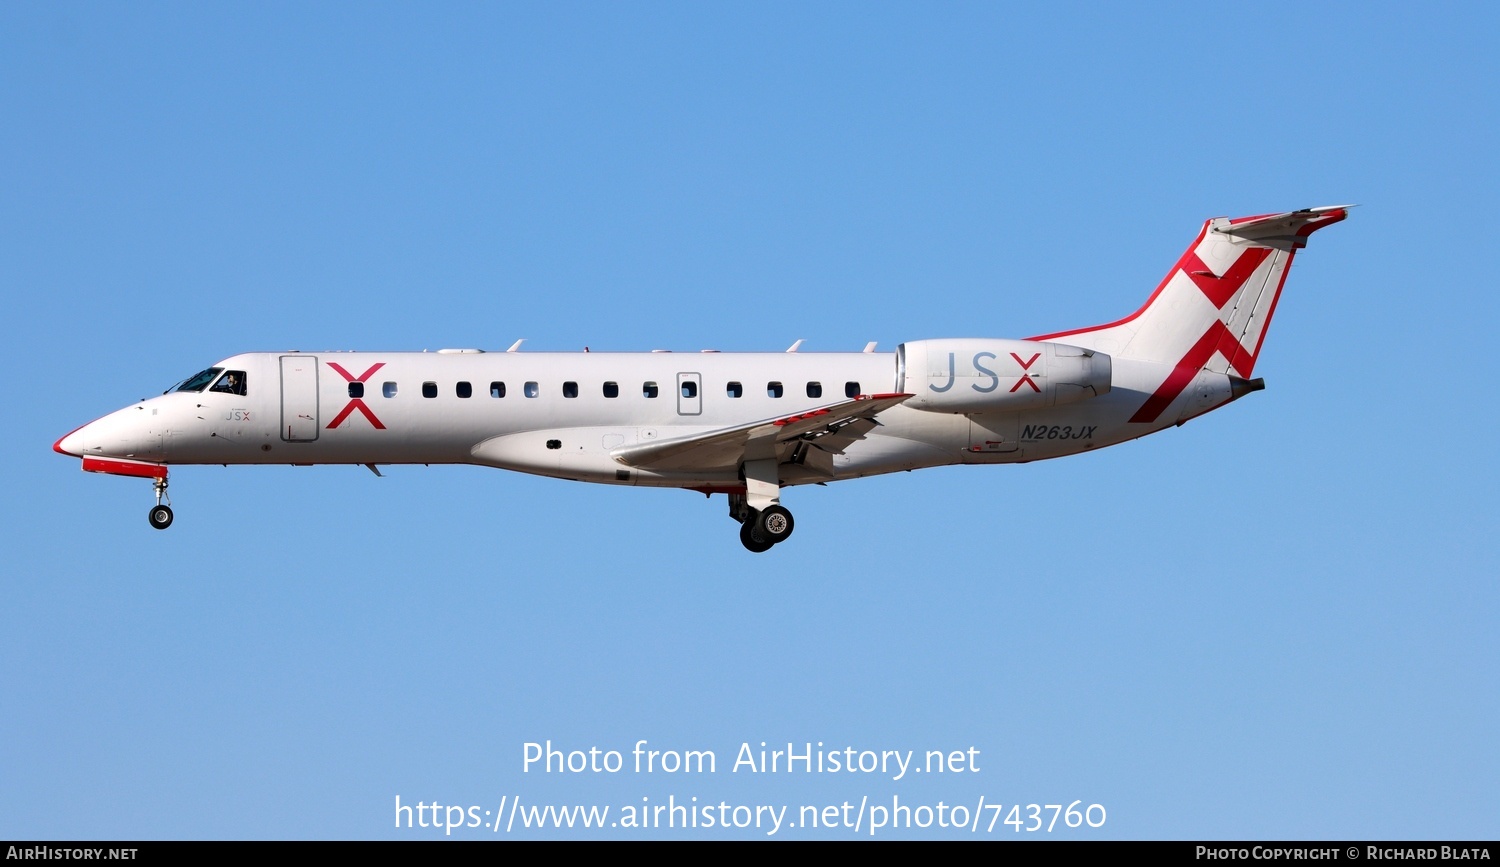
(729, 447)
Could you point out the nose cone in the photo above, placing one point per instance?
(70, 443)
(131, 433)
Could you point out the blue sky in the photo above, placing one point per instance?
(1277, 621)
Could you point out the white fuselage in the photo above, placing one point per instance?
(742, 424)
(296, 409)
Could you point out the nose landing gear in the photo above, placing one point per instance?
(160, 515)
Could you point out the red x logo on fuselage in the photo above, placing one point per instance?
(355, 403)
(1025, 377)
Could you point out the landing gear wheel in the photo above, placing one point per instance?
(775, 523)
(160, 517)
(752, 539)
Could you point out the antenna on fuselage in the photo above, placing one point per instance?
(516, 347)
(793, 347)
(870, 347)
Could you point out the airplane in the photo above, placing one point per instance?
(746, 425)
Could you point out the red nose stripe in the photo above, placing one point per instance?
(124, 468)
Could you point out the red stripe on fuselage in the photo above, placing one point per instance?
(124, 468)
(1181, 263)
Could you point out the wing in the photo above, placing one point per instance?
(829, 429)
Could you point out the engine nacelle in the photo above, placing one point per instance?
(972, 376)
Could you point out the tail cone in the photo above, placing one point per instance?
(1238, 388)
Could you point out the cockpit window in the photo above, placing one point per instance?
(199, 381)
(233, 382)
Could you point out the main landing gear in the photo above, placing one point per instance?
(774, 523)
(760, 528)
(160, 515)
(752, 539)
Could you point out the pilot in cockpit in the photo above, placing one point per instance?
(232, 383)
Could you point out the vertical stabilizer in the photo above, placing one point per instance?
(1215, 305)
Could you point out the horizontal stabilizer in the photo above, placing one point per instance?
(1284, 230)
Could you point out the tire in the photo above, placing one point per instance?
(775, 523)
(752, 539)
(160, 517)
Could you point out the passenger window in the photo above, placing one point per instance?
(689, 388)
(429, 389)
(464, 390)
(356, 389)
(734, 389)
(773, 389)
(570, 389)
(497, 389)
(232, 382)
(389, 389)
(532, 390)
(851, 389)
(649, 389)
(815, 389)
(611, 389)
